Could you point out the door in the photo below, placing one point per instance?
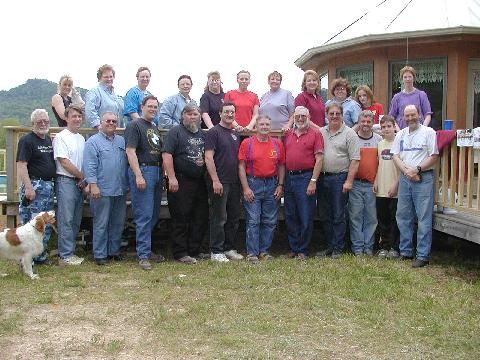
(473, 94)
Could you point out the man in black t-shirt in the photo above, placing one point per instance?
(36, 169)
(144, 146)
(187, 192)
(221, 149)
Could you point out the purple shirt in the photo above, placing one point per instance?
(401, 100)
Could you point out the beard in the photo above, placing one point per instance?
(192, 127)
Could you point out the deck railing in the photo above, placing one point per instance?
(457, 180)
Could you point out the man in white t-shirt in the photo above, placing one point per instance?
(415, 153)
(68, 153)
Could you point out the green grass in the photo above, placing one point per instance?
(347, 308)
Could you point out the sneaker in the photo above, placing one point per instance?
(418, 263)
(324, 253)
(252, 259)
(368, 252)
(301, 256)
(101, 262)
(393, 254)
(233, 255)
(158, 258)
(203, 256)
(70, 260)
(187, 260)
(336, 254)
(383, 254)
(265, 256)
(219, 257)
(145, 264)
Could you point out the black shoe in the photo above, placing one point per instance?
(101, 262)
(119, 257)
(324, 253)
(417, 263)
(404, 258)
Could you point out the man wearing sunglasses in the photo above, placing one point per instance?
(105, 167)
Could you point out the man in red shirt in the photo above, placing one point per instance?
(261, 170)
(303, 159)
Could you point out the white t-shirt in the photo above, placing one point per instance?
(414, 147)
(69, 146)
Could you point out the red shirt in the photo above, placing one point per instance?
(315, 106)
(244, 104)
(264, 156)
(377, 110)
(300, 150)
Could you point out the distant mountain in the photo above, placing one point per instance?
(18, 103)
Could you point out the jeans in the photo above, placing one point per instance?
(299, 212)
(387, 224)
(224, 217)
(44, 194)
(189, 211)
(261, 215)
(69, 214)
(108, 221)
(146, 207)
(416, 198)
(332, 206)
(363, 217)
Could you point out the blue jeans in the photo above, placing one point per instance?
(108, 220)
(363, 216)
(146, 207)
(261, 215)
(332, 204)
(224, 217)
(44, 194)
(69, 214)
(299, 212)
(416, 198)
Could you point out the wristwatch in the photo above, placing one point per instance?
(419, 169)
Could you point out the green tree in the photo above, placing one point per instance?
(3, 132)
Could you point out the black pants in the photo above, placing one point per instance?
(189, 213)
(387, 224)
(224, 217)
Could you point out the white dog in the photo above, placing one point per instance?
(26, 242)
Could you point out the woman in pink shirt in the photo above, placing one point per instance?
(311, 99)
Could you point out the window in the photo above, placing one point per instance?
(430, 78)
(324, 86)
(357, 75)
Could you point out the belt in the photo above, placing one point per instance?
(363, 180)
(41, 178)
(299, 172)
(426, 171)
(325, 173)
(67, 177)
(150, 163)
(263, 177)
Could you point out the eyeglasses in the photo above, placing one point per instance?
(300, 116)
(42, 121)
(334, 114)
(110, 121)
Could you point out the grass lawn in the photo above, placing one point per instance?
(349, 308)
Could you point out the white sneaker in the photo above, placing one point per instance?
(233, 255)
(219, 257)
(71, 260)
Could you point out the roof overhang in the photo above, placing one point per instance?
(368, 39)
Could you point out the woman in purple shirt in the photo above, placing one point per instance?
(410, 96)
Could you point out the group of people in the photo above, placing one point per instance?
(330, 160)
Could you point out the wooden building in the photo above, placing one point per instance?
(440, 39)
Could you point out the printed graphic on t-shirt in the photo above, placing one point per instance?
(45, 149)
(154, 141)
(195, 149)
(387, 154)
